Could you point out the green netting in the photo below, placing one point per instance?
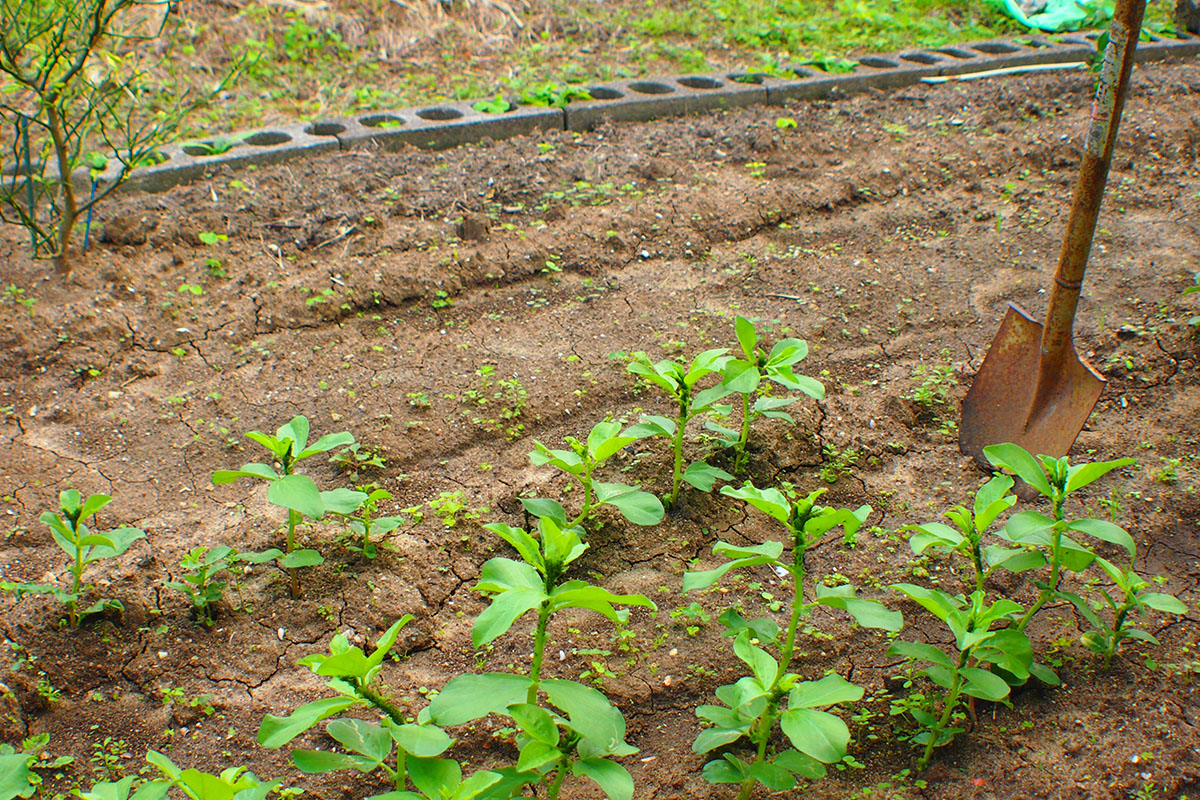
(1057, 15)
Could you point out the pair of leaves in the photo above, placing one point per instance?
(518, 587)
(230, 783)
(812, 731)
(1050, 477)
(586, 710)
(348, 669)
(290, 442)
(778, 774)
(75, 538)
(677, 379)
(369, 744)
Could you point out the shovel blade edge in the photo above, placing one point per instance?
(999, 406)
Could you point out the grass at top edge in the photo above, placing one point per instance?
(306, 71)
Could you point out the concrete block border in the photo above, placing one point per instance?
(444, 125)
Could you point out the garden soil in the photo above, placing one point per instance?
(386, 293)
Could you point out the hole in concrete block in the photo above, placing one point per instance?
(601, 93)
(701, 83)
(996, 48)
(875, 62)
(381, 121)
(267, 138)
(650, 87)
(210, 147)
(440, 114)
(325, 129)
(954, 52)
(748, 77)
(920, 58)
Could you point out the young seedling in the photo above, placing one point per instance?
(84, 547)
(369, 745)
(965, 538)
(200, 568)
(746, 376)
(771, 694)
(964, 675)
(1055, 479)
(362, 522)
(1130, 594)
(580, 462)
(574, 729)
(296, 493)
(678, 381)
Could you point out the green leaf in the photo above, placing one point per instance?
(932, 534)
(300, 559)
(297, 430)
(712, 738)
(387, 641)
(469, 697)
(361, 737)
(724, 770)
(747, 337)
(1025, 466)
(703, 476)
(315, 762)
(1083, 474)
(118, 790)
(868, 613)
(590, 714)
(537, 754)
(540, 507)
(828, 691)
(611, 777)
(343, 501)
(204, 786)
(764, 667)
(740, 377)
(921, 651)
(1009, 649)
(704, 578)
(423, 741)
(505, 609)
(275, 731)
(119, 541)
(576, 594)
(1106, 532)
(816, 733)
(260, 558)
(1166, 603)
(640, 508)
(15, 776)
(983, 684)
(535, 722)
(1044, 674)
(769, 501)
(326, 443)
(936, 602)
(1013, 559)
(800, 764)
(297, 493)
(252, 470)
(433, 777)
(652, 425)
(775, 778)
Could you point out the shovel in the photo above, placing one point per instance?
(1033, 389)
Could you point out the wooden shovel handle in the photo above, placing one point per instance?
(1089, 191)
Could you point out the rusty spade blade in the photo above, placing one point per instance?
(1033, 389)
